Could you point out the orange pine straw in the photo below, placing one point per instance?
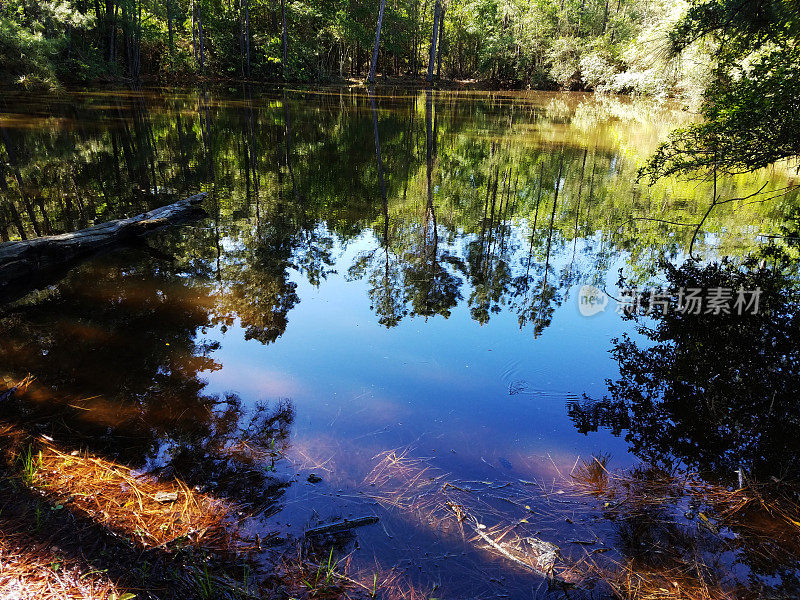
(31, 572)
(111, 494)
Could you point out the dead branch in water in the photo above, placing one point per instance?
(340, 526)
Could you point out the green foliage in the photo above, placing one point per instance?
(26, 58)
(30, 463)
(750, 109)
(577, 44)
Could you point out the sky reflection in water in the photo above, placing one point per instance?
(423, 297)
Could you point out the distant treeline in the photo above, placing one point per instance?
(619, 45)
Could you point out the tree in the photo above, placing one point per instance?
(751, 110)
(374, 63)
(437, 11)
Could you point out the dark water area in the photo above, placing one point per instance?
(385, 297)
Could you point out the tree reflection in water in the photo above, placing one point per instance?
(714, 393)
(118, 369)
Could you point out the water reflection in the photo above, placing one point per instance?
(118, 369)
(401, 267)
(714, 393)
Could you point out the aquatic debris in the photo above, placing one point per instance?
(340, 526)
(30, 259)
(411, 485)
(165, 497)
(531, 553)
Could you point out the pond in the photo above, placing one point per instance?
(386, 294)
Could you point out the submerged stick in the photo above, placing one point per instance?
(545, 561)
(340, 526)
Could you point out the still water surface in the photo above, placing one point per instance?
(398, 275)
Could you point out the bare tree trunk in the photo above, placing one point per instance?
(201, 35)
(430, 151)
(415, 41)
(194, 31)
(100, 20)
(170, 29)
(374, 65)
(137, 47)
(247, 33)
(434, 39)
(378, 147)
(24, 262)
(285, 39)
(111, 28)
(441, 44)
(288, 136)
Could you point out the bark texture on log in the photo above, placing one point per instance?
(20, 259)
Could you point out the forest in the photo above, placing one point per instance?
(615, 45)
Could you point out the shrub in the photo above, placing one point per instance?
(26, 58)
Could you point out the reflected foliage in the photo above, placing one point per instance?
(717, 393)
(501, 203)
(118, 369)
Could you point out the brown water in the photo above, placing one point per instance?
(386, 290)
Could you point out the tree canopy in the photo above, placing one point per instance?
(751, 109)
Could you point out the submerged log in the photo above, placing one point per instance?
(31, 258)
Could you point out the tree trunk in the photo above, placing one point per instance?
(170, 29)
(285, 40)
(374, 64)
(110, 28)
(378, 147)
(415, 40)
(194, 31)
(200, 36)
(246, 35)
(441, 44)
(434, 39)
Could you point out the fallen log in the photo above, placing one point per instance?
(32, 258)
